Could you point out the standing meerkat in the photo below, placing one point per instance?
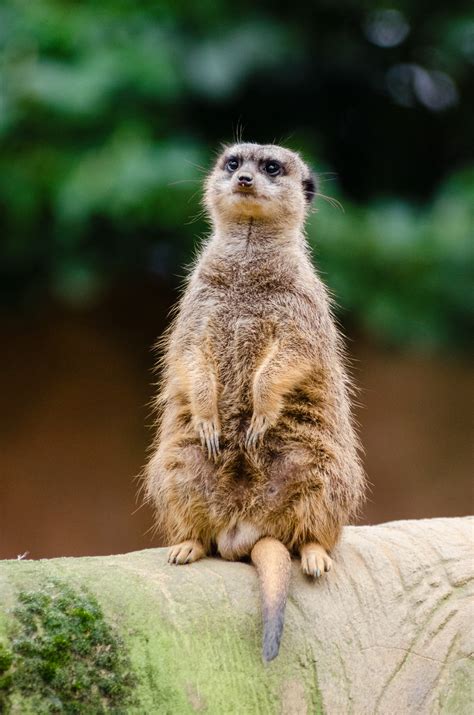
(255, 453)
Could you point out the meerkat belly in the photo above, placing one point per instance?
(240, 358)
(247, 501)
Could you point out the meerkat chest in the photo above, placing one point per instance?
(241, 279)
(239, 335)
(245, 306)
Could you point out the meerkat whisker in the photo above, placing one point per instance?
(184, 181)
(332, 201)
(197, 166)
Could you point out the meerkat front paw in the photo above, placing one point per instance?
(186, 552)
(315, 560)
(208, 431)
(257, 428)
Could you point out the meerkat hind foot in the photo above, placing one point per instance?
(315, 560)
(186, 552)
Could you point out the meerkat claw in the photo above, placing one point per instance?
(210, 448)
(215, 445)
(257, 428)
(209, 437)
(186, 552)
(315, 560)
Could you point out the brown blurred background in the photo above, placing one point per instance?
(110, 113)
(76, 426)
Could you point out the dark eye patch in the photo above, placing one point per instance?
(272, 167)
(310, 187)
(231, 164)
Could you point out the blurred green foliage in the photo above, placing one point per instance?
(405, 273)
(107, 111)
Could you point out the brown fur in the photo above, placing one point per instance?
(255, 437)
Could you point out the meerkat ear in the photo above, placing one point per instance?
(310, 187)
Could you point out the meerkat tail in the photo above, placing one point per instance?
(273, 563)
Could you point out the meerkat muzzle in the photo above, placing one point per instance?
(245, 180)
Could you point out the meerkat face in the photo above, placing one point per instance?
(265, 182)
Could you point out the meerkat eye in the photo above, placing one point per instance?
(232, 164)
(272, 168)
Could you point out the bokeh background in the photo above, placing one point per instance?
(110, 113)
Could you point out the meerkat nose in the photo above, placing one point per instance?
(245, 180)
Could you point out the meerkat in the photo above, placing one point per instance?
(255, 454)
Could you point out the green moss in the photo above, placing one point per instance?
(6, 662)
(6, 659)
(64, 655)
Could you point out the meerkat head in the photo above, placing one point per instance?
(264, 182)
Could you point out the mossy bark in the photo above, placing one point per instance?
(386, 631)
